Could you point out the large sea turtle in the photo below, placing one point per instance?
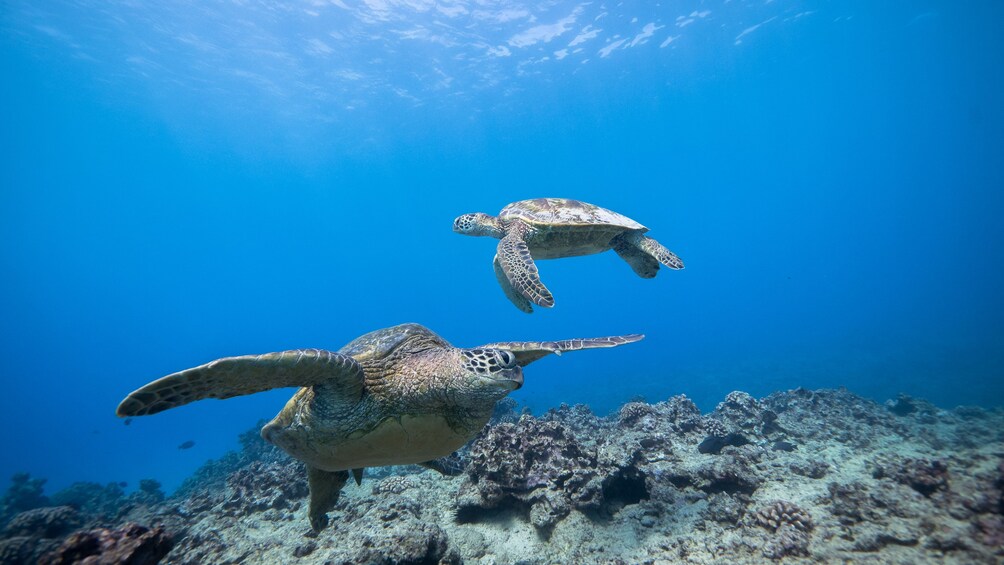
(549, 228)
(390, 397)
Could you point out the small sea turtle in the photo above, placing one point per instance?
(394, 396)
(549, 228)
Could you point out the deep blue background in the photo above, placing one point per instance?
(832, 182)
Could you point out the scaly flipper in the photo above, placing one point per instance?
(248, 374)
(529, 351)
(643, 264)
(451, 465)
(511, 293)
(652, 248)
(325, 488)
(514, 256)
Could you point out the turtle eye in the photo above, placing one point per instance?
(508, 359)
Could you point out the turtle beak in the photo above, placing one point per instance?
(516, 377)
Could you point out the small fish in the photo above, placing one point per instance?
(187, 445)
(127, 421)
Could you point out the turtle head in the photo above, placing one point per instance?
(478, 223)
(491, 373)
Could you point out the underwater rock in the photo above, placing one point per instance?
(578, 417)
(922, 475)
(25, 550)
(17, 550)
(783, 446)
(787, 541)
(904, 405)
(632, 412)
(726, 508)
(730, 474)
(679, 412)
(92, 498)
(852, 503)
(831, 416)
(24, 493)
(740, 411)
(47, 522)
(713, 444)
(423, 542)
(149, 493)
(813, 468)
(535, 463)
(540, 465)
(304, 549)
(130, 544)
(262, 486)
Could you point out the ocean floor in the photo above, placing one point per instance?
(799, 476)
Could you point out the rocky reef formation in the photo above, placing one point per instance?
(131, 543)
(798, 476)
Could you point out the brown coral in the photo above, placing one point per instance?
(132, 544)
(540, 465)
(261, 486)
(922, 475)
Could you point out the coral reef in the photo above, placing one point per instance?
(799, 476)
(149, 493)
(92, 498)
(783, 513)
(24, 493)
(46, 522)
(395, 484)
(923, 476)
(540, 466)
(130, 544)
(262, 486)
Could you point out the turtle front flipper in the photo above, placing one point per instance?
(325, 488)
(511, 293)
(527, 352)
(517, 263)
(248, 374)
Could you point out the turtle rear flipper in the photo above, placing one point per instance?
(650, 247)
(511, 293)
(527, 352)
(325, 488)
(248, 374)
(451, 465)
(643, 264)
(517, 264)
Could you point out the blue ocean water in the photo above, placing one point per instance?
(190, 180)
